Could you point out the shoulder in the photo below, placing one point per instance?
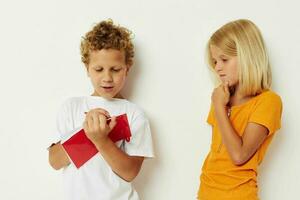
(134, 108)
(269, 97)
(72, 102)
(134, 111)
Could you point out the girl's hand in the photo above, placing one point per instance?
(96, 126)
(221, 96)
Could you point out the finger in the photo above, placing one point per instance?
(112, 123)
(226, 87)
(89, 122)
(219, 86)
(102, 111)
(85, 126)
(95, 122)
(102, 120)
(98, 110)
(88, 115)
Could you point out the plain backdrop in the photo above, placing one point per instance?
(41, 67)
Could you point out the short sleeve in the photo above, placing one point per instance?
(210, 118)
(63, 122)
(140, 143)
(268, 112)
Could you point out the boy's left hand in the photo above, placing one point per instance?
(221, 96)
(96, 126)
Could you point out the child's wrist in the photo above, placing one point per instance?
(221, 109)
(101, 142)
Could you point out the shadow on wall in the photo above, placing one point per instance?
(145, 177)
(132, 79)
(276, 148)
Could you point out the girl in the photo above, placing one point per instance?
(244, 112)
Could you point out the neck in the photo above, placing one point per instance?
(119, 96)
(236, 97)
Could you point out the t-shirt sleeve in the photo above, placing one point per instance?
(140, 143)
(210, 118)
(268, 113)
(63, 122)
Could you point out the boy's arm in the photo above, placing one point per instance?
(58, 157)
(97, 129)
(126, 166)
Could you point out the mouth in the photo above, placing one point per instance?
(222, 76)
(107, 88)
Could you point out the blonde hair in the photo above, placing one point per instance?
(243, 39)
(106, 35)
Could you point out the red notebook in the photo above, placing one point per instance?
(80, 149)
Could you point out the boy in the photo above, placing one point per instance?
(107, 53)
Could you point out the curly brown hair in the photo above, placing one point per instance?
(106, 35)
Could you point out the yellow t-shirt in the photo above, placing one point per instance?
(220, 178)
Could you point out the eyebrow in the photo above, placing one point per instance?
(97, 66)
(224, 56)
(115, 66)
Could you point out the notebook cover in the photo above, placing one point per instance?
(80, 149)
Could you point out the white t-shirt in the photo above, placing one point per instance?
(95, 180)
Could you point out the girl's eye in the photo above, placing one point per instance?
(224, 60)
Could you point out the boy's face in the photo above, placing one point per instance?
(107, 70)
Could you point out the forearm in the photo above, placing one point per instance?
(58, 157)
(230, 138)
(127, 167)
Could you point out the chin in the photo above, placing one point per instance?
(104, 95)
(108, 96)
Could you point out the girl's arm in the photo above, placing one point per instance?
(58, 157)
(97, 129)
(240, 148)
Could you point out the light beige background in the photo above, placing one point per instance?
(40, 67)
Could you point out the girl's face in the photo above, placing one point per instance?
(107, 70)
(225, 66)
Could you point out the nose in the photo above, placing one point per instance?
(218, 67)
(107, 76)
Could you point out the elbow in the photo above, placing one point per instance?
(129, 179)
(130, 176)
(238, 162)
(57, 158)
(131, 170)
(132, 173)
(54, 160)
(239, 159)
(55, 165)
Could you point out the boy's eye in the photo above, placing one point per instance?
(98, 69)
(116, 69)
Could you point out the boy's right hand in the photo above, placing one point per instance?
(96, 126)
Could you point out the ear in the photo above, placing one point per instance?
(127, 69)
